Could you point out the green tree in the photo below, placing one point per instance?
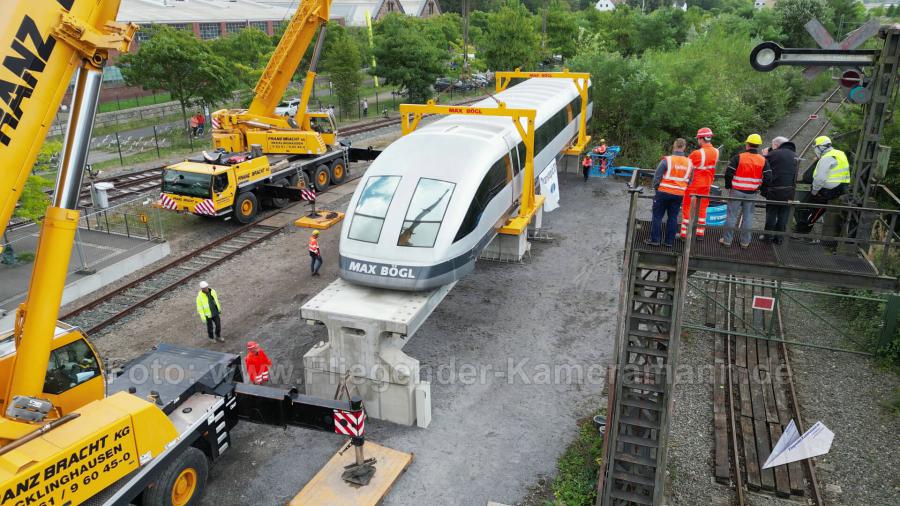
(175, 61)
(34, 201)
(511, 40)
(562, 30)
(248, 50)
(342, 62)
(793, 14)
(406, 56)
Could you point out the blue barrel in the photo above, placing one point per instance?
(715, 214)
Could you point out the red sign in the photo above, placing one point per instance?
(763, 303)
(813, 116)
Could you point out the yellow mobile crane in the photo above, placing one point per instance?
(68, 433)
(262, 157)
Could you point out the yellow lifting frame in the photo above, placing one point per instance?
(581, 80)
(412, 114)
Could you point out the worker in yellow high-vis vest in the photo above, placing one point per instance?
(209, 309)
(831, 178)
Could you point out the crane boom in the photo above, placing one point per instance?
(297, 36)
(41, 48)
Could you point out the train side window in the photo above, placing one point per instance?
(522, 153)
(426, 213)
(70, 366)
(493, 182)
(372, 208)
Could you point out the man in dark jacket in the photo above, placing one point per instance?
(783, 161)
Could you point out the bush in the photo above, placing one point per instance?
(643, 104)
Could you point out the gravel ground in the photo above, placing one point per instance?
(846, 392)
(516, 326)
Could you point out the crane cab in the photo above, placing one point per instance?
(74, 375)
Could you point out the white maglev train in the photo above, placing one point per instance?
(431, 202)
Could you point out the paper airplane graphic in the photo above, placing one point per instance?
(792, 447)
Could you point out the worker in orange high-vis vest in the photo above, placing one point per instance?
(672, 178)
(745, 174)
(586, 166)
(315, 254)
(704, 163)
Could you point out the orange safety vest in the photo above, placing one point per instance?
(678, 172)
(705, 158)
(749, 172)
(314, 245)
(258, 367)
(586, 162)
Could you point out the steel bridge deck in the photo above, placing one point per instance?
(793, 260)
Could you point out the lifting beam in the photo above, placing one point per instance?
(411, 115)
(581, 80)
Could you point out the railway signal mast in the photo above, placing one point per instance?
(873, 90)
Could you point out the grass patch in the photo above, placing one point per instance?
(131, 103)
(24, 258)
(147, 156)
(576, 483)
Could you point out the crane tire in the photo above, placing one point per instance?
(246, 205)
(322, 178)
(181, 483)
(338, 171)
(276, 202)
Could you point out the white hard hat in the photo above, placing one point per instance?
(204, 284)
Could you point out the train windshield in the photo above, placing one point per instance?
(372, 208)
(187, 183)
(425, 213)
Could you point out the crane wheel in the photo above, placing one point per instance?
(245, 207)
(276, 202)
(338, 172)
(322, 178)
(181, 483)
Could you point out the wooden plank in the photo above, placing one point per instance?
(782, 477)
(765, 368)
(751, 464)
(740, 351)
(722, 470)
(327, 486)
(756, 390)
(743, 379)
(763, 447)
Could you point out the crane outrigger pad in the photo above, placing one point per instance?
(320, 220)
(328, 487)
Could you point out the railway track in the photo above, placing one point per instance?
(758, 396)
(112, 307)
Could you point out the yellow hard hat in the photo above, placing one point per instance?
(754, 139)
(315, 232)
(602, 141)
(822, 140)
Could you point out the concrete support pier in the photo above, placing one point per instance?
(508, 247)
(367, 329)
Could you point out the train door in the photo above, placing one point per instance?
(516, 162)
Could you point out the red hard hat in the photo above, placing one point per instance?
(252, 345)
(704, 132)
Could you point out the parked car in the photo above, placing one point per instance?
(288, 107)
(441, 84)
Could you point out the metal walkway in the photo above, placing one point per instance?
(794, 260)
(650, 321)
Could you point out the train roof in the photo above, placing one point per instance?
(470, 141)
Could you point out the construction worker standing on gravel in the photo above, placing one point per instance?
(315, 254)
(209, 309)
(704, 162)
